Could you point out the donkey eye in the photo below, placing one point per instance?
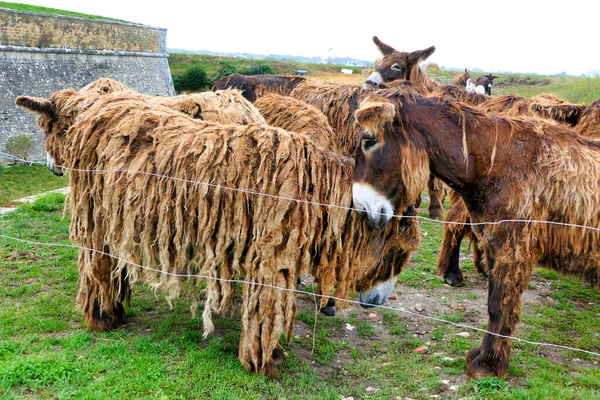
(397, 67)
(369, 144)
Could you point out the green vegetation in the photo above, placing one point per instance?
(17, 181)
(47, 351)
(193, 79)
(39, 9)
(20, 146)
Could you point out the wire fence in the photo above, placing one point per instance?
(355, 302)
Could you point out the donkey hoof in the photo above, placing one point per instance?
(102, 321)
(329, 308)
(278, 355)
(271, 370)
(454, 279)
(479, 366)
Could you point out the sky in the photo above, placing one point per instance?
(529, 36)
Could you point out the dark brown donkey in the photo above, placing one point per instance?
(401, 65)
(503, 169)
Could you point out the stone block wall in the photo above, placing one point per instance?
(42, 53)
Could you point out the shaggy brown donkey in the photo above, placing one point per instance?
(503, 169)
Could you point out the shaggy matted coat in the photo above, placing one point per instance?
(338, 103)
(541, 177)
(153, 187)
(544, 107)
(589, 121)
(222, 106)
(297, 116)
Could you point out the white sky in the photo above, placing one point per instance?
(545, 37)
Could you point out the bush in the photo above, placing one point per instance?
(259, 69)
(20, 146)
(194, 78)
(224, 69)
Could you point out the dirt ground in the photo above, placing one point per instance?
(417, 309)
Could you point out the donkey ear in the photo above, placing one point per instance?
(372, 114)
(35, 104)
(383, 48)
(419, 55)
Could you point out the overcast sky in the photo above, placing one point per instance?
(545, 37)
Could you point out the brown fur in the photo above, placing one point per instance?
(589, 121)
(182, 226)
(456, 93)
(297, 116)
(221, 106)
(338, 103)
(543, 107)
(516, 168)
(254, 86)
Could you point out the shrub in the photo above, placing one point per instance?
(20, 146)
(259, 69)
(194, 79)
(224, 69)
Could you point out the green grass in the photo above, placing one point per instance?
(47, 351)
(47, 10)
(21, 180)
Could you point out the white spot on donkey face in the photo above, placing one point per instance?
(56, 170)
(379, 209)
(373, 81)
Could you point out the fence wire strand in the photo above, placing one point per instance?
(314, 295)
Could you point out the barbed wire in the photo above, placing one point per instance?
(355, 302)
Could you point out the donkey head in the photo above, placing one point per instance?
(391, 165)
(395, 65)
(55, 118)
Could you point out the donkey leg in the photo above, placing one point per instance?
(507, 280)
(101, 297)
(436, 194)
(454, 231)
(267, 312)
(478, 259)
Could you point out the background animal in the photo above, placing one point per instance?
(254, 86)
(462, 79)
(471, 88)
(487, 82)
(397, 65)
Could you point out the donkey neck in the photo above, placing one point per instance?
(447, 136)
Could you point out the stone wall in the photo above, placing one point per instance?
(43, 53)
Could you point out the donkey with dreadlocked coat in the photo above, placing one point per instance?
(152, 187)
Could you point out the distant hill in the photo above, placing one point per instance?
(310, 60)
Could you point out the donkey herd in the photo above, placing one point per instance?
(261, 179)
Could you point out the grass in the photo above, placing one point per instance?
(47, 351)
(21, 180)
(47, 10)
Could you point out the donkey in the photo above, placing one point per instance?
(522, 170)
(486, 81)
